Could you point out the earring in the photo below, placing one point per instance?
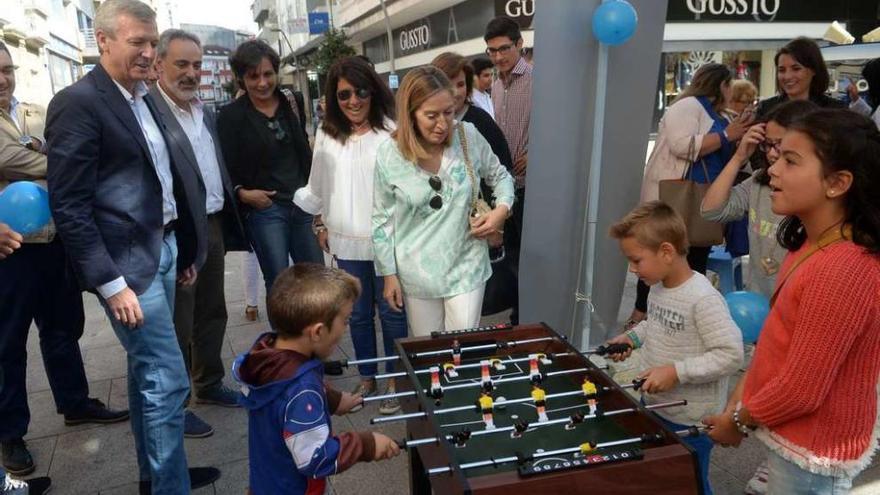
(831, 193)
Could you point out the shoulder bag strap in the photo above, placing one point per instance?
(691, 157)
(475, 187)
(825, 240)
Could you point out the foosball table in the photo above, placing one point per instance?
(519, 410)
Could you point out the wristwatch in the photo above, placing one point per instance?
(27, 142)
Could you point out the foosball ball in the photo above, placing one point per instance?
(519, 410)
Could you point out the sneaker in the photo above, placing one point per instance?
(220, 395)
(198, 477)
(758, 484)
(95, 412)
(33, 486)
(365, 388)
(17, 459)
(251, 313)
(389, 406)
(195, 427)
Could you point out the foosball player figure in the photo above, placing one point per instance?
(540, 398)
(590, 392)
(519, 428)
(587, 448)
(456, 352)
(436, 390)
(449, 370)
(485, 375)
(486, 407)
(575, 419)
(534, 372)
(497, 364)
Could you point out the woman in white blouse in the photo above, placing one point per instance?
(357, 118)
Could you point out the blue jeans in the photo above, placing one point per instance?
(785, 477)
(702, 445)
(279, 232)
(363, 329)
(157, 380)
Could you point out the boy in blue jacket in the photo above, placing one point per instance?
(292, 449)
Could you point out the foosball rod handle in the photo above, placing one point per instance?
(694, 431)
(604, 350)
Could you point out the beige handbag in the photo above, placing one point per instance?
(685, 197)
(479, 206)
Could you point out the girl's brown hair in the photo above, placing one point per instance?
(418, 85)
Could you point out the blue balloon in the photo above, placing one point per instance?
(24, 206)
(614, 22)
(749, 310)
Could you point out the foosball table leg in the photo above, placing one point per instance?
(419, 483)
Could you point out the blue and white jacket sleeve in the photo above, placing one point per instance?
(316, 452)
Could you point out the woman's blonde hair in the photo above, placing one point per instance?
(742, 90)
(418, 85)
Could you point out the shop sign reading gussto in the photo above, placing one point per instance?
(417, 37)
(734, 7)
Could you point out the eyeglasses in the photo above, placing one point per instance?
(500, 50)
(361, 93)
(766, 146)
(436, 184)
(278, 129)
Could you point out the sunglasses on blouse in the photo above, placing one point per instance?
(361, 93)
(436, 184)
(276, 127)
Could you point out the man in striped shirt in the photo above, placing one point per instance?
(512, 98)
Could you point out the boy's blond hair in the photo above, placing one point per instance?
(651, 224)
(308, 293)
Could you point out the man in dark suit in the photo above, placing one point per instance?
(199, 310)
(133, 223)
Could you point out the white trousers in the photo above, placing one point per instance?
(250, 269)
(445, 313)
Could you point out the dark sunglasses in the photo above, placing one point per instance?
(361, 93)
(278, 129)
(436, 184)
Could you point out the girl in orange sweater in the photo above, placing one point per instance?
(811, 393)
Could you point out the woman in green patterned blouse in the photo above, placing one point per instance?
(430, 250)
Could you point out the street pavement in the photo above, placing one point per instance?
(91, 459)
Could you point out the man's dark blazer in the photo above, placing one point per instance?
(181, 151)
(106, 198)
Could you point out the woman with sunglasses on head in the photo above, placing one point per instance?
(810, 394)
(429, 248)
(357, 119)
(268, 156)
(801, 74)
(692, 130)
